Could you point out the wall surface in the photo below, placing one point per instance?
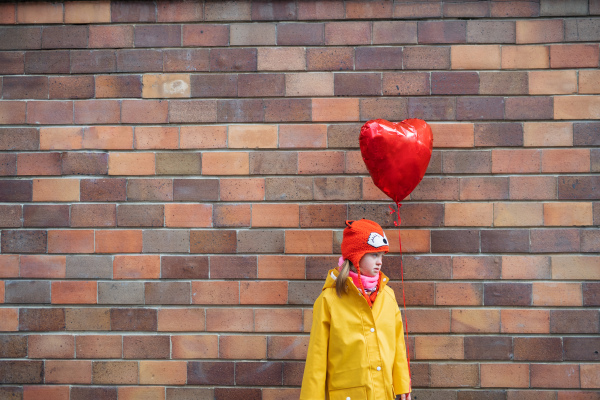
(176, 177)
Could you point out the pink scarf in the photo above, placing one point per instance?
(369, 282)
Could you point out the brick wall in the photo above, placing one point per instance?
(176, 176)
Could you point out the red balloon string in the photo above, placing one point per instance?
(397, 223)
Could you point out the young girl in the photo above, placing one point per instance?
(356, 349)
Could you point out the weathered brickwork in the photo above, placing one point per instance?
(175, 176)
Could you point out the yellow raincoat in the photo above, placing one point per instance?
(355, 352)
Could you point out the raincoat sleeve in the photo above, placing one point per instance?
(400, 374)
(315, 370)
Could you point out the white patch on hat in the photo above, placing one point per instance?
(376, 240)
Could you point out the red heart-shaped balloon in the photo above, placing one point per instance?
(396, 154)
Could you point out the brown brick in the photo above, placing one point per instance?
(303, 293)
(13, 346)
(503, 375)
(132, 319)
(580, 188)
(449, 375)
(210, 373)
(142, 60)
(186, 393)
(347, 32)
(123, 11)
(355, 84)
(90, 392)
(284, 10)
(115, 372)
(93, 215)
(84, 61)
(491, 31)
(215, 292)
(8, 164)
(574, 321)
(184, 60)
(574, 55)
(458, 10)
(21, 38)
(378, 58)
(12, 191)
(21, 372)
(8, 13)
(260, 241)
(51, 346)
(429, 267)
(329, 58)
(140, 215)
(454, 83)
(108, 137)
(451, 293)
(581, 348)
(543, 31)
(42, 266)
(238, 59)
(225, 215)
(503, 83)
(41, 319)
(261, 85)
(25, 87)
(150, 189)
(19, 139)
(406, 83)
(451, 241)
(258, 373)
(478, 108)
(555, 376)
(437, 57)
(432, 108)
(311, 10)
(469, 320)
(39, 13)
(336, 188)
(209, 85)
(304, 34)
(23, 241)
(534, 187)
(190, 267)
(538, 349)
(287, 110)
(442, 31)
(120, 292)
(110, 36)
(507, 294)
(98, 346)
(504, 241)
(252, 34)
(27, 292)
(322, 215)
(213, 241)
(166, 241)
(488, 348)
(195, 346)
(103, 189)
(494, 188)
(228, 267)
(64, 37)
(167, 292)
(118, 86)
(529, 108)
(84, 163)
(498, 134)
(71, 87)
(157, 35)
(586, 134)
(288, 189)
(97, 112)
(12, 112)
(555, 240)
(591, 293)
(45, 215)
(11, 216)
(301, 136)
(38, 164)
(243, 110)
(273, 163)
(476, 56)
(49, 112)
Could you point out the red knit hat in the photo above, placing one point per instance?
(361, 237)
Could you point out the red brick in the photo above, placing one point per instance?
(49, 112)
(180, 319)
(188, 215)
(439, 347)
(227, 267)
(51, 346)
(118, 241)
(458, 10)
(448, 375)
(162, 373)
(345, 33)
(157, 35)
(287, 110)
(98, 346)
(565, 160)
(10, 319)
(9, 266)
(442, 32)
(131, 319)
(469, 320)
(543, 31)
(110, 36)
(42, 266)
(229, 320)
(280, 267)
(505, 375)
(329, 58)
(273, 292)
(532, 187)
(484, 188)
(195, 346)
(108, 137)
(308, 241)
(435, 57)
(86, 392)
(525, 321)
(488, 348)
(18, 139)
(230, 163)
(205, 35)
(68, 371)
(46, 392)
(97, 112)
(64, 37)
(70, 241)
(8, 13)
(451, 293)
(516, 161)
(41, 319)
(242, 347)
(21, 38)
(287, 347)
(74, 292)
(574, 55)
(215, 292)
(211, 373)
(144, 111)
(12, 112)
(231, 215)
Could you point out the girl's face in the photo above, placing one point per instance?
(370, 264)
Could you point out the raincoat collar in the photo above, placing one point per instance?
(332, 277)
